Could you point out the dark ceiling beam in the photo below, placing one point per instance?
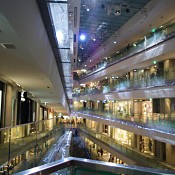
(62, 2)
(65, 62)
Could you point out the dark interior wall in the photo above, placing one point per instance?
(156, 105)
(2, 88)
(25, 109)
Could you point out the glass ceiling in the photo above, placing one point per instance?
(59, 15)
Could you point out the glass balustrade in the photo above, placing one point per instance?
(155, 121)
(163, 77)
(27, 143)
(160, 34)
(124, 149)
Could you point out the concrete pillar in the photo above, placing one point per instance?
(168, 66)
(170, 154)
(23, 156)
(110, 81)
(162, 105)
(160, 150)
(167, 107)
(111, 131)
(137, 108)
(100, 105)
(99, 128)
(113, 108)
(9, 109)
(37, 111)
(88, 123)
(95, 105)
(139, 140)
(131, 74)
(88, 104)
(154, 147)
(132, 108)
(134, 140)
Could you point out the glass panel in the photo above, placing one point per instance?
(122, 148)
(155, 122)
(59, 14)
(23, 146)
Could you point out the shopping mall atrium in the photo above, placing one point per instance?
(87, 87)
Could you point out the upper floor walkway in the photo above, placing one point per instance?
(150, 40)
(128, 154)
(158, 126)
(164, 78)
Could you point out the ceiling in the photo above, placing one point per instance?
(43, 66)
(99, 20)
(30, 64)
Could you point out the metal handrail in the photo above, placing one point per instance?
(93, 165)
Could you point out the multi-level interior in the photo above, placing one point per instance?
(117, 88)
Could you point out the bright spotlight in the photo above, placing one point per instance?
(82, 37)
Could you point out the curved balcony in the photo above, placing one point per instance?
(163, 77)
(128, 152)
(157, 126)
(155, 37)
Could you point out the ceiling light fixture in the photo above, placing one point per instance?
(22, 96)
(82, 37)
(114, 8)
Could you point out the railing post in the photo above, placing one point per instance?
(9, 152)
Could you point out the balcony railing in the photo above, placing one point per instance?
(125, 150)
(161, 34)
(151, 121)
(163, 77)
(16, 140)
(74, 166)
